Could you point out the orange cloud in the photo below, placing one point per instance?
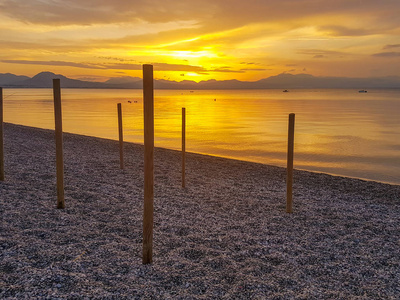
(202, 37)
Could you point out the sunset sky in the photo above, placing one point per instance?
(200, 40)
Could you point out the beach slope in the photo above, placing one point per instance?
(225, 236)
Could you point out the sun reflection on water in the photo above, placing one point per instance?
(337, 131)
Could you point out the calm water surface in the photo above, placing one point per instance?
(340, 132)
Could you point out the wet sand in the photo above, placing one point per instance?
(225, 236)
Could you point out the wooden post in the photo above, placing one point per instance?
(289, 178)
(183, 145)
(121, 137)
(148, 111)
(59, 143)
(1, 137)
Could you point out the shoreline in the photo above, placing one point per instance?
(226, 235)
(221, 156)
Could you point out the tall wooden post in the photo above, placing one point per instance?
(148, 111)
(183, 145)
(59, 143)
(121, 137)
(1, 137)
(289, 178)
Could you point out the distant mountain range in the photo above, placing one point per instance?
(281, 81)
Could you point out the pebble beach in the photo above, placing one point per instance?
(226, 235)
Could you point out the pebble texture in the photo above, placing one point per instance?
(225, 236)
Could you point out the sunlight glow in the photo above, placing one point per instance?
(190, 54)
(192, 74)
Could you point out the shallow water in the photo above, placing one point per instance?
(341, 132)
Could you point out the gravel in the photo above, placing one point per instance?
(225, 236)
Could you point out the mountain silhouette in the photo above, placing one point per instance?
(45, 80)
(8, 78)
(281, 81)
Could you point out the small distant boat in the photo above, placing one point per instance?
(285, 91)
(363, 91)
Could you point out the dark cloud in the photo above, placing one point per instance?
(88, 12)
(319, 53)
(346, 31)
(387, 54)
(211, 14)
(177, 67)
(255, 69)
(53, 63)
(391, 46)
(125, 66)
(108, 66)
(115, 58)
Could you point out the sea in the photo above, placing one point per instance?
(337, 131)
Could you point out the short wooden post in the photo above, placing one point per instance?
(289, 178)
(121, 137)
(59, 143)
(183, 145)
(1, 137)
(148, 111)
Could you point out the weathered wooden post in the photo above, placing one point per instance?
(59, 143)
(121, 137)
(148, 111)
(289, 178)
(183, 145)
(1, 137)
